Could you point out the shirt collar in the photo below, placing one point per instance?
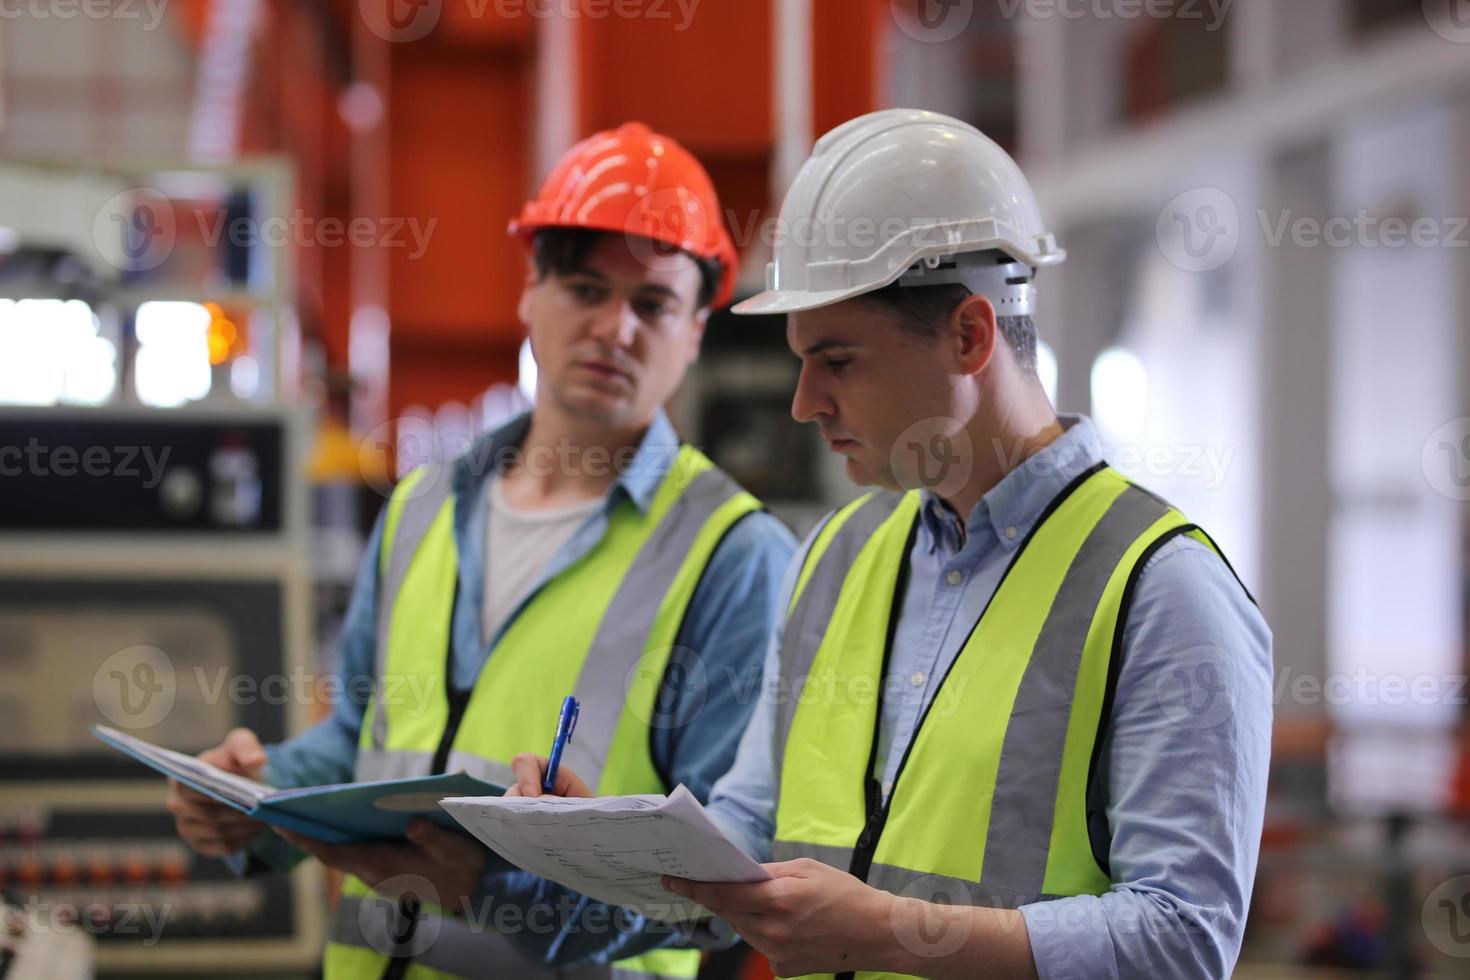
(1010, 509)
(639, 480)
(652, 462)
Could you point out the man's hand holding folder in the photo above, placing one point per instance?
(211, 828)
(450, 862)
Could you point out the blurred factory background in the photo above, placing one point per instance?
(253, 267)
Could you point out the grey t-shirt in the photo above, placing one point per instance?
(518, 547)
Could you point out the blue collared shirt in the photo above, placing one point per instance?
(1183, 768)
(717, 653)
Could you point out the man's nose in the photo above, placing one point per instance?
(809, 401)
(616, 324)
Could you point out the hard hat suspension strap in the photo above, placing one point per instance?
(992, 274)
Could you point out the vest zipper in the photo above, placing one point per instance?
(458, 700)
(867, 842)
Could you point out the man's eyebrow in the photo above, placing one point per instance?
(826, 345)
(659, 288)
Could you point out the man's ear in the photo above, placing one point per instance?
(973, 329)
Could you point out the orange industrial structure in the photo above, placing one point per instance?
(444, 129)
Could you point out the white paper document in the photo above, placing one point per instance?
(612, 848)
(245, 792)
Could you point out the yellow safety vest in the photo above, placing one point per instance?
(989, 806)
(602, 629)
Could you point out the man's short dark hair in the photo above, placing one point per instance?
(564, 251)
(920, 311)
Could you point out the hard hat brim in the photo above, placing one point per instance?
(774, 301)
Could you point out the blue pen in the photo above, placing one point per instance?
(565, 725)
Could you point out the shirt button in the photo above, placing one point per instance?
(954, 576)
(917, 678)
(1010, 534)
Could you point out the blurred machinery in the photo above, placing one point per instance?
(736, 406)
(154, 562)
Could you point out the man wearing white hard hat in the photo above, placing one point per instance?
(1017, 717)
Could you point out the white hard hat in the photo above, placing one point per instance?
(905, 193)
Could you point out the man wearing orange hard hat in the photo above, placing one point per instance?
(581, 549)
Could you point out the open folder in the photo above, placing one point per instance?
(612, 848)
(337, 814)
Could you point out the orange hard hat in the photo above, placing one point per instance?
(635, 181)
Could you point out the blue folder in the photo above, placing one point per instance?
(338, 814)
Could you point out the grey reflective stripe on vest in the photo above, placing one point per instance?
(801, 637)
(418, 513)
(940, 889)
(454, 946)
(444, 943)
(623, 634)
(944, 890)
(828, 854)
(374, 764)
(1022, 811)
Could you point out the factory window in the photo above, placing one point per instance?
(173, 353)
(52, 353)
